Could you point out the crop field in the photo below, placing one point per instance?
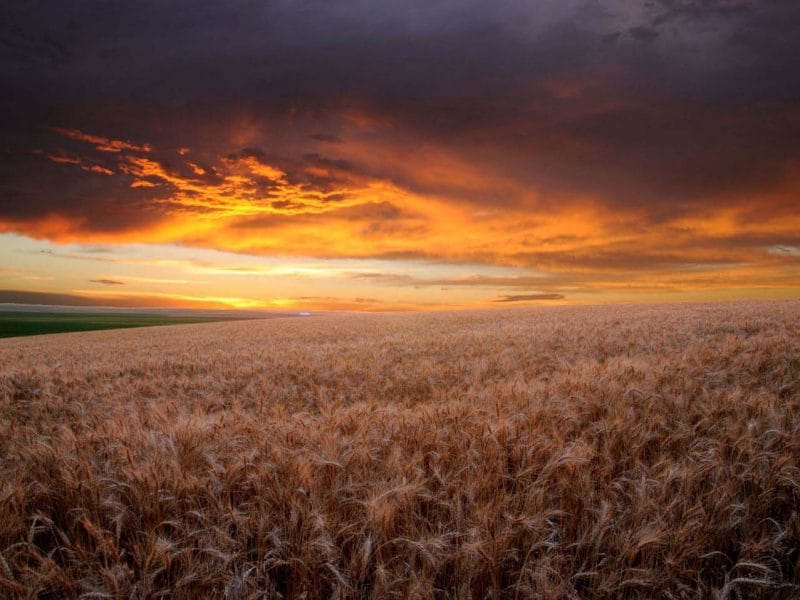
(566, 452)
(13, 324)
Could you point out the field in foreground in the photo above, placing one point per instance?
(603, 452)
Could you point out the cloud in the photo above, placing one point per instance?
(642, 33)
(490, 105)
(529, 298)
(98, 169)
(326, 137)
(689, 10)
(560, 144)
(107, 281)
(65, 159)
(90, 298)
(101, 143)
(610, 38)
(27, 297)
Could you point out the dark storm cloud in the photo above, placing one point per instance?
(705, 112)
(700, 9)
(325, 137)
(34, 186)
(643, 34)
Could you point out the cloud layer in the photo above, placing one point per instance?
(604, 145)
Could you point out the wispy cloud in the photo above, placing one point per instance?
(529, 298)
(107, 281)
(101, 143)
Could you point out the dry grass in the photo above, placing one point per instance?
(561, 453)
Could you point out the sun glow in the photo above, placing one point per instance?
(304, 220)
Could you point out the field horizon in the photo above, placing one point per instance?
(94, 317)
(568, 452)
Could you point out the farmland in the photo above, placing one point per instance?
(17, 323)
(566, 452)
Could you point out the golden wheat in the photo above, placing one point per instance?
(601, 452)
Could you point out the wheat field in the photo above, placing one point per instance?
(566, 452)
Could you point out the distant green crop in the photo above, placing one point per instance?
(21, 323)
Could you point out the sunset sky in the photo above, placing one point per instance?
(389, 155)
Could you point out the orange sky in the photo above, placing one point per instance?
(407, 158)
(404, 249)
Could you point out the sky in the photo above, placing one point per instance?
(398, 155)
